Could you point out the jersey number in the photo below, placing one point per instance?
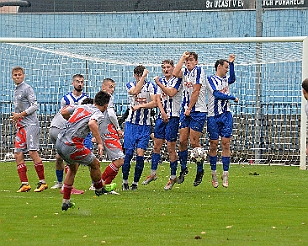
(79, 114)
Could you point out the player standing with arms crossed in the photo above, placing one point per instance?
(138, 125)
(194, 110)
(220, 121)
(28, 131)
(168, 100)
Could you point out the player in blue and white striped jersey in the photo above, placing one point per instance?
(76, 96)
(168, 99)
(220, 121)
(138, 124)
(194, 110)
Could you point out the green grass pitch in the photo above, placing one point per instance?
(263, 205)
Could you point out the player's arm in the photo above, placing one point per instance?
(63, 103)
(67, 111)
(231, 78)
(114, 120)
(177, 72)
(216, 93)
(193, 99)
(221, 96)
(135, 90)
(32, 101)
(161, 108)
(152, 104)
(95, 132)
(169, 91)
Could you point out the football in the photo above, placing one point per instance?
(198, 154)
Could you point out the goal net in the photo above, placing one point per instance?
(267, 118)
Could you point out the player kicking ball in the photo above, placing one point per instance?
(70, 144)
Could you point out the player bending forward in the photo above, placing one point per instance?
(70, 143)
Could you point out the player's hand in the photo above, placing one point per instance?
(156, 79)
(145, 73)
(136, 107)
(231, 58)
(15, 117)
(100, 149)
(236, 100)
(121, 133)
(187, 112)
(185, 55)
(164, 117)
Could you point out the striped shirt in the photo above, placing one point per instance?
(141, 116)
(190, 78)
(219, 93)
(71, 99)
(25, 100)
(171, 105)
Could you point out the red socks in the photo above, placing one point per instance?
(39, 167)
(67, 191)
(110, 173)
(22, 172)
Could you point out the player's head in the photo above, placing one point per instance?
(18, 75)
(78, 82)
(167, 67)
(305, 88)
(138, 71)
(221, 67)
(101, 100)
(108, 85)
(191, 61)
(87, 100)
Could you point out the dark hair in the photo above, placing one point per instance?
(78, 75)
(108, 79)
(139, 70)
(101, 98)
(168, 62)
(88, 100)
(194, 54)
(220, 62)
(305, 84)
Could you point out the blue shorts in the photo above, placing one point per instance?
(220, 125)
(168, 131)
(195, 121)
(136, 136)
